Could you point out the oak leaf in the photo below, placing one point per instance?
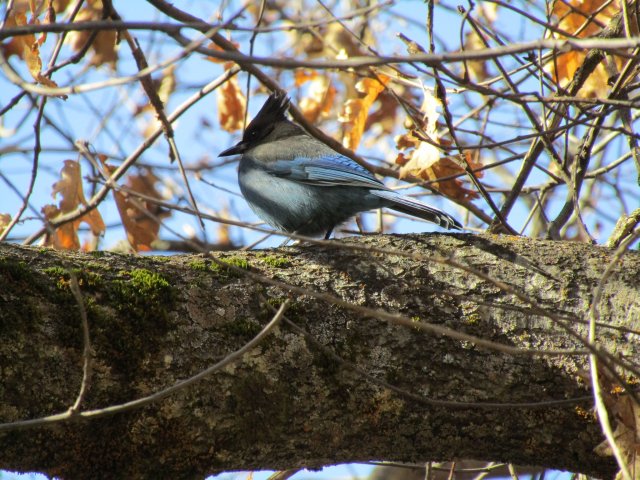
(477, 68)
(356, 110)
(319, 100)
(104, 43)
(5, 220)
(582, 19)
(27, 47)
(423, 159)
(69, 187)
(231, 105)
(140, 218)
(302, 76)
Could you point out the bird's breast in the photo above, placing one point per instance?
(299, 207)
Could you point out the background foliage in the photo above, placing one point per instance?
(549, 145)
(521, 115)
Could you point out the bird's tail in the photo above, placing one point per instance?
(418, 209)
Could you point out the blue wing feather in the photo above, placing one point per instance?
(334, 170)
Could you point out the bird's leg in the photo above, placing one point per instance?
(328, 234)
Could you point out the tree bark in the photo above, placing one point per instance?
(290, 402)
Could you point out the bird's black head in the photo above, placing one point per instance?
(270, 115)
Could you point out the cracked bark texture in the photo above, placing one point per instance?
(288, 403)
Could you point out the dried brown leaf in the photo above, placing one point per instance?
(425, 163)
(356, 110)
(406, 141)
(424, 154)
(320, 99)
(581, 19)
(340, 43)
(222, 230)
(421, 161)
(141, 229)
(424, 160)
(104, 44)
(49, 17)
(302, 76)
(5, 220)
(231, 105)
(65, 237)
(60, 5)
(386, 115)
(69, 187)
(477, 68)
(165, 85)
(26, 47)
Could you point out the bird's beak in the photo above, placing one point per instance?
(238, 148)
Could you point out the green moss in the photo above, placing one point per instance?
(142, 301)
(148, 282)
(92, 279)
(143, 294)
(200, 265)
(417, 320)
(236, 262)
(121, 310)
(55, 271)
(275, 302)
(97, 253)
(85, 278)
(225, 272)
(276, 262)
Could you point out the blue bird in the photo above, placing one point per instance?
(297, 184)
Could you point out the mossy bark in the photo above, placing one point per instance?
(290, 402)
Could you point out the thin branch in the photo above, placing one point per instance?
(131, 159)
(594, 315)
(34, 171)
(86, 341)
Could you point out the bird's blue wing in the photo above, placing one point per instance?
(327, 170)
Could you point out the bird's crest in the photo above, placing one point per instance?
(271, 113)
(274, 108)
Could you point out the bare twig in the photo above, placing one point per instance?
(131, 159)
(594, 315)
(86, 341)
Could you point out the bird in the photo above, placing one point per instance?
(299, 185)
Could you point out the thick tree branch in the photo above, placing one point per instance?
(292, 401)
